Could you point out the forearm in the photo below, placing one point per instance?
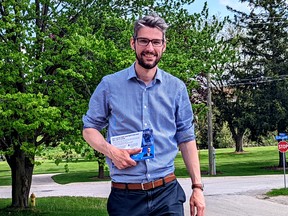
(190, 156)
(191, 159)
(95, 139)
(120, 157)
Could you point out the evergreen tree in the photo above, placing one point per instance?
(262, 73)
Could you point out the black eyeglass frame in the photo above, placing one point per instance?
(162, 41)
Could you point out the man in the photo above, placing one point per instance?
(138, 98)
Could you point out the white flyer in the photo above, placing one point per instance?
(128, 141)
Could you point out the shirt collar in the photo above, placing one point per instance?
(132, 73)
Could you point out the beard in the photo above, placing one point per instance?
(142, 63)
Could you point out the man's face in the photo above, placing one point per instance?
(148, 55)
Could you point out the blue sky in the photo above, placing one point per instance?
(218, 7)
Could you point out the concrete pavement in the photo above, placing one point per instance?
(225, 196)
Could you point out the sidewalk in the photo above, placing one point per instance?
(225, 196)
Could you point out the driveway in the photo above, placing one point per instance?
(225, 196)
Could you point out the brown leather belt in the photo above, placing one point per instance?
(145, 186)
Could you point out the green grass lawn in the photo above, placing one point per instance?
(254, 161)
(59, 206)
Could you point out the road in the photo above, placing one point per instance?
(225, 196)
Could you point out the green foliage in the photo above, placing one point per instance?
(252, 95)
(195, 48)
(58, 56)
(25, 113)
(264, 45)
(52, 56)
(224, 138)
(54, 53)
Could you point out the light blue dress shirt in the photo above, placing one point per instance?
(125, 104)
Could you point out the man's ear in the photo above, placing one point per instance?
(132, 43)
(164, 46)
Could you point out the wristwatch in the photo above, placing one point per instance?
(199, 186)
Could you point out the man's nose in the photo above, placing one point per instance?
(150, 46)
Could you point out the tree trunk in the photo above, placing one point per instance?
(100, 158)
(101, 173)
(238, 138)
(237, 135)
(239, 142)
(21, 172)
(281, 164)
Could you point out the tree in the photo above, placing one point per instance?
(196, 48)
(48, 52)
(259, 79)
(53, 54)
(231, 101)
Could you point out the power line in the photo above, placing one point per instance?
(262, 77)
(255, 81)
(256, 18)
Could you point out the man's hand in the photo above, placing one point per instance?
(121, 157)
(197, 203)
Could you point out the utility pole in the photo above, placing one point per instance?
(212, 164)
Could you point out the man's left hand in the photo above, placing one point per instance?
(197, 203)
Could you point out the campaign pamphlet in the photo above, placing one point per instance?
(127, 141)
(142, 139)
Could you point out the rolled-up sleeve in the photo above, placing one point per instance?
(184, 118)
(98, 112)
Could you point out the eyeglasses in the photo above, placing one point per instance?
(146, 41)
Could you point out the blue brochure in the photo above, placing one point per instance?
(147, 146)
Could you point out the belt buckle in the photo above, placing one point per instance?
(143, 188)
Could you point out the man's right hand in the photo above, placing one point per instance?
(121, 157)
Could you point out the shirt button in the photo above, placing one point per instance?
(148, 175)
(145, 124)
(147, 160)
(145, 107)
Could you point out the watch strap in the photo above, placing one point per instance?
(199, 186)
